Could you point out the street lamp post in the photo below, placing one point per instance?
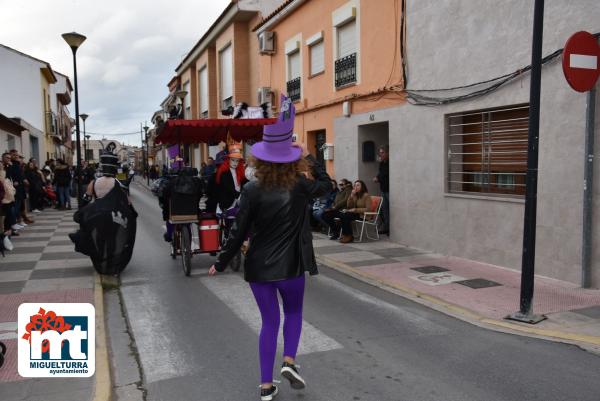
(74, 40)
(84, 117)
(87, 137)
(146, 159)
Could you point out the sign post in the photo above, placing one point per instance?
(581, 67)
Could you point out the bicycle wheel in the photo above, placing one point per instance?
(186, 250)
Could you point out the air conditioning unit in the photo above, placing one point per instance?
(265, 95)
(266, 42)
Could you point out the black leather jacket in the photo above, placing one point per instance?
(279, 228)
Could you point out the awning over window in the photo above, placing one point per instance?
(212, 131)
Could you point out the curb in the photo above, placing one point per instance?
(103, 385)
(466, 315)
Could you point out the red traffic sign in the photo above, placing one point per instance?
(581, 61)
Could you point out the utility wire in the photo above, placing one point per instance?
(416, 96)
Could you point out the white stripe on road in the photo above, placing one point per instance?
(11, 327)
(236, 294)
(156, 342)
(8, 336)
(8, 326)
(423, 325)
(583, 61)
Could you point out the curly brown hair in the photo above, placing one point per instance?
(279, 175)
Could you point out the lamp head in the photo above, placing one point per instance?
(73, 39)
(83, 116)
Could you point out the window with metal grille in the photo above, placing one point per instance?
(487, 151)
(293, 89)
(345, 63)
(345, 70)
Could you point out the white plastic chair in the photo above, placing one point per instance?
(370, 218)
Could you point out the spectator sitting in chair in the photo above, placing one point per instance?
(324, 203)
(359, 202)
(339, 203)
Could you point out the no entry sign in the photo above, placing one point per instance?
(581, 57)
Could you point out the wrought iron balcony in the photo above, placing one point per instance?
(345, 70)
(293, 89)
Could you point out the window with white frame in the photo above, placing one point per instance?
(294, 72)
(226, 77)
(346, 39)
(203, 91)
(317, 58)
(487, 151)
(187, 104)
(293, 65)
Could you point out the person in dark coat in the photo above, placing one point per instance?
(383, 178)
(108, 224)
(274, 212)
(62, 180)
(36, 186)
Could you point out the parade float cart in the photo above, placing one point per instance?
(185, 214)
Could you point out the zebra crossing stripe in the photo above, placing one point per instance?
(236, 293)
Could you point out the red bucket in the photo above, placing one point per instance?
(208, 232)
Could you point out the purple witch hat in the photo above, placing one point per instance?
(276, 146)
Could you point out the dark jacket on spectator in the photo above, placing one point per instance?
(342, 198)
(62, 176)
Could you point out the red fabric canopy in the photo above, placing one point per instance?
(212, 130)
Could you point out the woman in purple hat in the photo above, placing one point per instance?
(274, 212)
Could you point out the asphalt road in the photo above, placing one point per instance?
(197, 340)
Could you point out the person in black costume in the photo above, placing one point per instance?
(108, 224)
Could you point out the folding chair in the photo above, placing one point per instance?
(370, 218)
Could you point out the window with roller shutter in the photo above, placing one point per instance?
(345, 63)
(203, 90)
(317, 58)
(226, 77)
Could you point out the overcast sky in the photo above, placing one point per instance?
(130, 54)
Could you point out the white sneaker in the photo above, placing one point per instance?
(23, 224)
(17, 227)
(7, 244)
(36, 211)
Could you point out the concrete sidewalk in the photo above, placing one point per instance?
(44, 267)
(476, 292)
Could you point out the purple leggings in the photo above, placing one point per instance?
(292, 294)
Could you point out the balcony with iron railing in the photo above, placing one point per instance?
(345, 70)
(293, 89)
